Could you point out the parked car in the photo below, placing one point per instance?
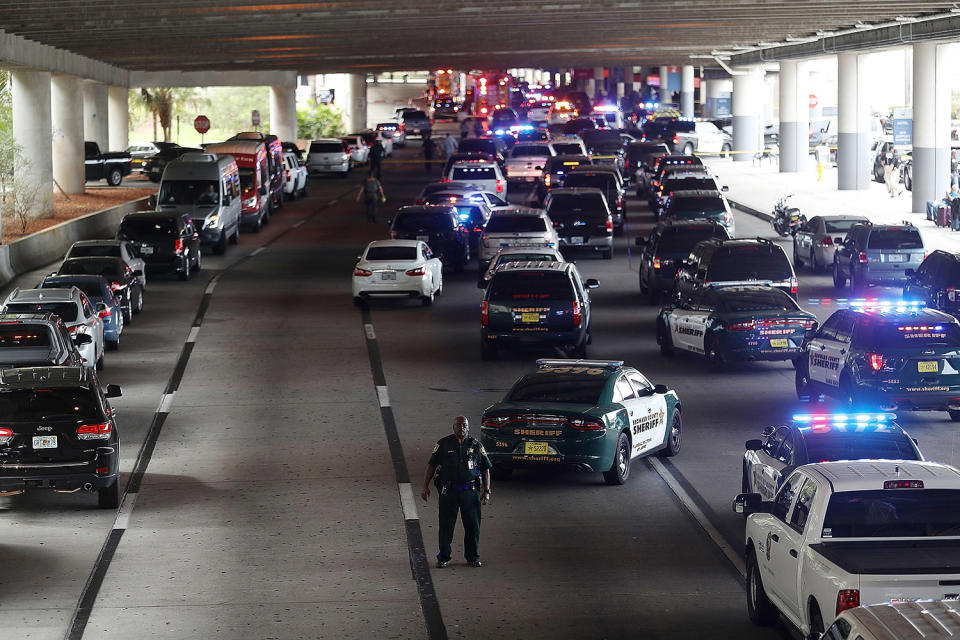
(903, 620)
(607, 181)
(154, 165)
(582, 218)
(167, 241)
(386, 141)
(669, 244)
(415, 123)
(398, 268)
(119, 248)
(358, 149)
(36, 339)
(394, 131)
(516, 228)
(813, 243)
(520, 254)
(935, 282)
(255, 196)
(526, 161)
(739, 260)
(295, 177)
(483, 173)
(121, 279)
(98, 290)
(877, 254)
(140, 151)
(700, 205)
(438, 226)
(111, 166)
(328, 155)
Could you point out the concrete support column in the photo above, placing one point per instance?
(853, 124)
(717, 89)
(591, 88)
(96, 125)
(66, 97)
(636, 71)
(747, 103)
(599, 80)
(118, 110)
(686, 91)
(704, 85)
(664, 92)
(794, 115)
(283, 113)
(357, 111)
(31, 131)
(931, 123)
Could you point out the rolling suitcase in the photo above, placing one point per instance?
(943, 215)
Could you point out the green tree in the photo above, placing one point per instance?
(162, 103)
(321, 121)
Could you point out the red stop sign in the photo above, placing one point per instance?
(813, 101)
(201, 124)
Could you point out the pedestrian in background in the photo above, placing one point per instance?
(891, 173)
(376, 157)
(449, 145)
(464, 129)
(428, 148)
(372, 192)
(478, 127)
(462, 471)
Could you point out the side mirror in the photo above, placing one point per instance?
(660, 388)
(747, 503)
(82, 338)
(152, 201)
(538, 168)
(724, 188)
(753, 445)
(909, 272)
(592, 283)
(113, 391)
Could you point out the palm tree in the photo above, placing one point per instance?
(162, 103)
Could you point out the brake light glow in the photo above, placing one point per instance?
(362, 272)
(827, 242)
(863, 257)
(577, 314)
(485, 313)
(794, 285)
(903, 484)
(582, 424)
(609, 224)
(546, 179)
(499, 185)
(415, 272)
(178, 246)
(99, 431)
(676, 139)
(6, 435)
(106, 313)
(951, 294)
(847, 599)
(875, 360)
(656, 263)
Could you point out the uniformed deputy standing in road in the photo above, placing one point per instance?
(463, 480)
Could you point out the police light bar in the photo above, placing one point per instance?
(606, 108)
(870, 304)
(550, 363)
(740, 283)
(842, 418)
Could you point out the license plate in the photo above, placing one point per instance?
(779, 342)
(423, 238)
(146, 250)
(44, 442)
(928, 367)
(530, 317)
(388, 275)
(576, 240)
(896, 257)
(536, 448)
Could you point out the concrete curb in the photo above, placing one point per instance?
(47, 246)
(750, 211)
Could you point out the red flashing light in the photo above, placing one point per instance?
(656, 263)
(609, 224)
(875, 360)
(794, 285)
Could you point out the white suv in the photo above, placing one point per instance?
(527, 160)
(81, 318)
(485, 174)
(514, 228)
(328, 155)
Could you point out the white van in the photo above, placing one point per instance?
(909, 620)
(207, 187)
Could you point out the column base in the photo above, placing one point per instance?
(853, 166)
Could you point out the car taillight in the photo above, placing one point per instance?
(393, 235)
(485, 313)
(178, 246)
(496, 421)
(863, 257)
(583, 424)
(794, 284)
(951, 294)
(743, 326)
(875, 360)
(656, 263)
(99, 431)
(619, 201)
(6, 435)
(116, 286)
(847, 599)
(415, 272)
(288, 174)
(106, 313)
(826, 242)
(362, 272)
(609, 224)
(676, 139)
(72, 329)
(546, 180)
(807, 324)
(499, 185)
(577, 314)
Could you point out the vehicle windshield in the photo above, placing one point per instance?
(474, 173)
(684, 239)
(189, 192)
(757, 300)
(906, 335)
(895, 239)
(66, 310)
(893, 513)
(839, 226)
(375, 254)
(87, 267)
(516, 224)
(247, 179)
(749, 263)
(569, 389)
(91, 289)
(528, 150)
(96, 250)
(147, 228)
(30, 405)
(865, 445)
(422, 221)
(511, 286)
(24, 336)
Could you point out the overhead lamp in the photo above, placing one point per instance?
(790, 38)
(825, 34)
(860, 24)
(764, 43)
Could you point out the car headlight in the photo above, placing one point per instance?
(212, 221)
(250, 202)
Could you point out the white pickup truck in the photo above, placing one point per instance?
(842, 534)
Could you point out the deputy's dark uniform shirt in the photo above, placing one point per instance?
(459, 463)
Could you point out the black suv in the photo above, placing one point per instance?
(416, 123)
(35, 339)
(555, 173)
(607, 182)
(492, 147)
(737, 260)
(699, 205)
(167, 241)
(539, 304)
(667, 246)
(582, 219)
(936, 282)
(437, 225)
(58, 432)
(639, 157)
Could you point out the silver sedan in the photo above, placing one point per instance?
(815, 242)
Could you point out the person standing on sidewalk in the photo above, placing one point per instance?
(891, 173)
(372, 192)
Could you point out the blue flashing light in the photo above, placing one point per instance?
(498, 132)
(464, 216)
(939, 327)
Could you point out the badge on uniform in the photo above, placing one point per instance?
(470, 464)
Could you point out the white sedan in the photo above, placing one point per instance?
(398, 268)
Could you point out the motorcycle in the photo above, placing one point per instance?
(787, 220)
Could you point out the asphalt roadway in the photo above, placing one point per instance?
(282, 437)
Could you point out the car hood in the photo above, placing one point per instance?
(195, 211)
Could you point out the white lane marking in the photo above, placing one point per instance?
(695, 511)
(299, 224)
(193, 334)
(166, 402)
(257, 251)
(382, 396)
(368, 329)
(210, 287)
(331, 203)
(407, 503)
(126, 509)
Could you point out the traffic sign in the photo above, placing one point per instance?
(255, 117)
(814, 101)
(201, 124)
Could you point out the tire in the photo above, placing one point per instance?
(113, 345)
(109, 497)
(816, 622)
(128, 311)
(100, 363)
(115, 177)
(744, 480)
(908, 181)
(663, 338)
(714, 355)
(839, 281)
(802, 381)
(607, 254)
(760, 610)
(196, 265)
(620, 469)
(427, 301)
(280, 200)
(235, 238)
(501, 473)
(221, 246)
(487, 351)
(184, 274)
(688, 149)
(675, 437)
(138, 307)
(797, 262)
(954, 415)
(815, 267)
(855, 285)
(357, 301)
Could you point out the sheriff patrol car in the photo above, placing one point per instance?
(895, 355)
(589, 415)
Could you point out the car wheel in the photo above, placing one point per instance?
(760, 610)
(814, 266)
(487, 351)
(663, 339)
(235, 238)
(607, 254)
(797, 262)
(744, 480)
(838, 280)
(109, 497)
(128, 311)
(221, 246)
(816, 622)
(439, 291)
(114, 178)
(675, 437)
(907, 182)
(802, 380)
(427, 300)
(954, 415)
(715, 355)
(184, 273)
(138, 307)
(113, 345)
(196, 264)
(620, 469)
(100, 363)
(856, 284)
(725, 150)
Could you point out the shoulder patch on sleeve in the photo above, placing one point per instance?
(482, 450)
(436, 447)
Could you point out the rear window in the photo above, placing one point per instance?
(91, 289)
(585, 204)
(148, 228)
(66, 310)
(95, 251)
(893, 513)
(422, 221)
(895, 239)
(839, 226)
(24, 336)
(600, 181)
(414, 115)
(89, 268)
(474, 173)
(640, 153)
(571, 389)
(516, 224)
(391, 253)
(694, 208)
(49, 404)
(525, 257)
(326, 147)
(527, 150)
(749, 263)
(688, 183)
(477, 145)
(866, 445)
(906, 335)
(684, 239)
(757, 300)
(512, 286)
(562, 148)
